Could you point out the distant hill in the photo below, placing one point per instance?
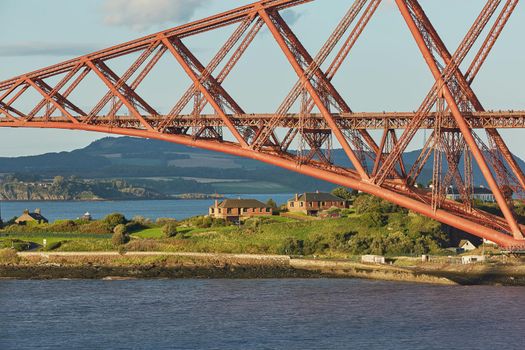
(164, 167)
(170, 168)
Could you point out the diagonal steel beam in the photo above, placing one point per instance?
(175, 51)
(431, 98)
(51, 100)
(117, 93)
(462, 124)
(275, 23)
(214, 63)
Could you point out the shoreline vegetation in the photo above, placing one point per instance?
(154, 265)
(283, 245)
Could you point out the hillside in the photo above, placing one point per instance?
(170, 169)
(162, 167)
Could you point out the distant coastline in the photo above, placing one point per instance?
(182, 197)
(73, 188)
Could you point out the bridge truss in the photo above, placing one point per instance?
(463, 133)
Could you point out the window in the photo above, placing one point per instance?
(301, 204)
(228, 211)
(212, 210)
(291, 204)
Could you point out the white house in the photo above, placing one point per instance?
(480, 193)
(467, 246)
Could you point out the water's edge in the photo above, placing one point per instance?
(111, 265)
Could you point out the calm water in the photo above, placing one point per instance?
(258, 314)
(153, 209)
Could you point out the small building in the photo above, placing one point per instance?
(28, 217)
(373, 259)
(467, 245)
(480, 193)
(87, 216)
(311, 203)
(472, 259)
(237, 209)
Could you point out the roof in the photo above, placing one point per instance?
(465, 241)
(242, 203)
(27, 216)
(318, 197)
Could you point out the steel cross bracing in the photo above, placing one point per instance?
(314, 117)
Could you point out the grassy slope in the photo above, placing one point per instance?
(267, 238)
(270, 236)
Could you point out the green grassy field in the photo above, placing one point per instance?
(391, 233)
(55, 239)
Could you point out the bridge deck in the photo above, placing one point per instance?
(358, 121)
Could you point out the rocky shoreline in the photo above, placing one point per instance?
(111, 265)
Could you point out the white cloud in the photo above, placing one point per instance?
(142, 14)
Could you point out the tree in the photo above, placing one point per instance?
(170, 229)
(115, 219)
(119, 238)
(120, 228)
(344, 193)
(58, 180)
(271, 203)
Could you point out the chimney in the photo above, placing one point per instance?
(296, 197)
(216, 203)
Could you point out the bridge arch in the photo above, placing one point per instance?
(451, 110)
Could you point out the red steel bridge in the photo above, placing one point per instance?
(462, 132)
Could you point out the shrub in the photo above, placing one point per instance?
(366, 203)
(120, 228)
(164, 221)
(374, 219)
(119, 238)
(292, 246)
(203, 222)
(315, 245)
(115, 219)
(9, 256)
(63, 226)
(219, 223)
(141, 220)
(133, 226)
(344, 193)
(170, 229)
(121, 250)
(96, 227)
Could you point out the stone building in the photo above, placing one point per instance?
(27, 217)
(237, 209)
(314, 202)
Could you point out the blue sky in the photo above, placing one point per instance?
(384, 72)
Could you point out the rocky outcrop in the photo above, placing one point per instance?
(73, 189)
